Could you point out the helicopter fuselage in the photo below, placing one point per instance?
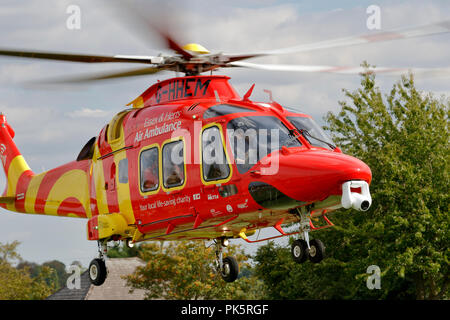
(179, 165)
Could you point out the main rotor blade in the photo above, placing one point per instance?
(404, 33)
(343, 70)
(161, 19)
(103, 76)
(77, 57)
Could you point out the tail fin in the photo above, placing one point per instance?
(13, 162)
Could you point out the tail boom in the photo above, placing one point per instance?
(62, 191)
(14, 164)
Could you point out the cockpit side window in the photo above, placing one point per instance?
(224, 109)
(253, 138)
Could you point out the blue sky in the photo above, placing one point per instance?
(53, 124)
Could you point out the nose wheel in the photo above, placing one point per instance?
(230, 269)
(227, 267)
(302, 249)
(316, 251)
(299, 251)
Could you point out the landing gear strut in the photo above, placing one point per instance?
(227, 267)
(97, 267)
(302, 249)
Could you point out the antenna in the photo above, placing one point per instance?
(249, 93)
(270, 94)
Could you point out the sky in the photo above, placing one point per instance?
(53, 123)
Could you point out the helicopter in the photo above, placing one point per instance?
(190, 159)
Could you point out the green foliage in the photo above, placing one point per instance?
(184, 270)
(17, 283)
(32, 268)
(404, 138)
(58, 277)
(8, 252)
(60, 273)
(122, 251)
(285, 279)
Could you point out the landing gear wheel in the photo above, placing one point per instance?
(299, 251)
(129, 243)
(230, 269)
(97, 272)
(316, 251)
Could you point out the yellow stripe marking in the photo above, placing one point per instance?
(123, 191)
(100, 192)
(32, 190)
(72, 184)
(16, 168)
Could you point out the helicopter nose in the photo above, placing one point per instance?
(315, 175)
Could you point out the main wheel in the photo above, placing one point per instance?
(317, 251)
(97, 272)
(299, 251)
(230, 269)
(129, 243)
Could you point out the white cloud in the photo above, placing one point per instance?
(89, 113)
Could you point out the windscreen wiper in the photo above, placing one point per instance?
(306, 133)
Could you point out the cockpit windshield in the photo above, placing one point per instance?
(312, 132)
(252, 138)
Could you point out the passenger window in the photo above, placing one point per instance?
(123, 171)
(149, 170)
(173, 164)
(214, 161)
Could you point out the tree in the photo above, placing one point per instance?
(285, 279)
(33, 268)
(60, 273)
(8, 252)
(122, 251)
(58, 276)
(184, 270)
(17, 284)
(403, 136)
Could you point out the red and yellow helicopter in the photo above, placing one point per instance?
(190, 159)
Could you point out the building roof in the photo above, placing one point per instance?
(114, 287)
(73, 294)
